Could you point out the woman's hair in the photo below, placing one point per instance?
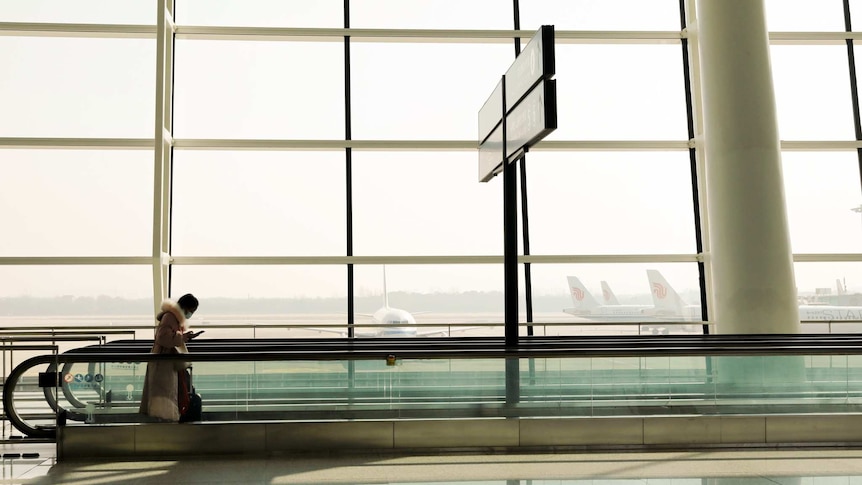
(188, 302)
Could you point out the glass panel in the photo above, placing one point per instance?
(63, 296)
(601, 14)
(446, 300)
(414, 203)
(259, 203)
(620, 92)
(572, 299)
(803, 15)
(261, 13)
(831, 293)
(812, 92)
(378, 388)
(77, 87)
(76, 202)
(431, 14)
(823, 202)
(249, 89)
(80, 11)
(274, 298)
(422, 91)
(610, 203)
(856, 14)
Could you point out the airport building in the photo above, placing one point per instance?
(670, 262)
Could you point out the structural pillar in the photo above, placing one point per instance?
(754, 289)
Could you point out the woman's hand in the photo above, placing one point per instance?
(188, 336)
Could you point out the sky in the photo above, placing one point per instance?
(406, 203)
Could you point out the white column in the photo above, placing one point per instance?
(753, 287)
(163, 154)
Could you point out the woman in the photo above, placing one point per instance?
(159, 398)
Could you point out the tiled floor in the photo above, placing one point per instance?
(749, 467)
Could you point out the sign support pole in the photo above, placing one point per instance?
(510, 267)
(510, 240)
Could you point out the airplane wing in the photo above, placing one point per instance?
(442, 332)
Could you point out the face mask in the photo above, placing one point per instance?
(188, 315)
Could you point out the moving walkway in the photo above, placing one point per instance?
(587, 382)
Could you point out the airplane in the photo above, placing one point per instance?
(669, 305)
(394, 322)
(586, 305)
(608, 294)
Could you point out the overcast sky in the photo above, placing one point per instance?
(244, 203)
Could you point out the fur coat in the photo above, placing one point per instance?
(159, 398)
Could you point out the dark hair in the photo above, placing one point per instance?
(188, 302)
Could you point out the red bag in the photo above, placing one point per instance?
(183, 395)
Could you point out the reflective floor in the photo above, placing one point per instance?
(747, 467)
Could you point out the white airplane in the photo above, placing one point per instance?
(585, 305)
(669, 305)
(608, 294)
(394, 322)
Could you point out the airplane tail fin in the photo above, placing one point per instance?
(666, 300)
(840, 287)
(583, 300)
(608, 295)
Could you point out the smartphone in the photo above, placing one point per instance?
(195, 334)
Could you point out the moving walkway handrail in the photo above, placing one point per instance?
(493, 347)
(468, 348)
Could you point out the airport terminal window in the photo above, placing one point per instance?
(798, 15)
(856, 14)
(448, 293)
(420, 91)
(257, 203)
(829, 283)
(74, 294)
(431, 14)
(76, 202)
(610, 203)
(77, 87)
(812, 92)
(557, 299)
(620, 92)
(80, 12)
(285, 294)
(601, 14)
(252, 89)
(822, 192)
(424, 203)
(614, 202)
(261, 13)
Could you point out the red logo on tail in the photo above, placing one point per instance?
(606, 294)
(578, 294)
(659, 290)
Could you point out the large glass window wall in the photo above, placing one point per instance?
(308, 159)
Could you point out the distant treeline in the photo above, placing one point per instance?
(467, 302)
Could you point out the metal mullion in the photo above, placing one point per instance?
(78, 143)
(74, 260)
(348, 169)
(169, 127)
(404, 145)
(45, 29)
(462, 259)
(693, 166)
(417, 35)
(854, 87)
